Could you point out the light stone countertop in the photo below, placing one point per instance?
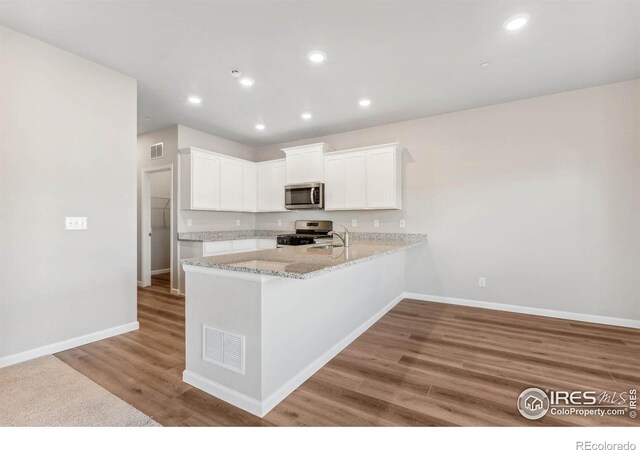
(303, 262)
(235, 235)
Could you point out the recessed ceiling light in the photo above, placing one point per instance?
(316, 56)
(247, 81)
(194, 100)
(516, 22)
(485, 64)
(260, 126)
(364, 102)
(306, 116)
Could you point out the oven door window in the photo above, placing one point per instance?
(298, 196)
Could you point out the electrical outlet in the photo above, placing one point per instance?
(354, 223)
(402, 223)
(482, 282)
(75, 223)
(237, 222)
(279, 222)
(189, 222)
(376, 223)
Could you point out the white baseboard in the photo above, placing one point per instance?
(261, 408)
(229, 395)
(67, 344)
(604, 320)
(140, 284)
(159, 271)
(177, 292)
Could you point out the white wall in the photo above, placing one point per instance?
(540, 196)
(67, 148)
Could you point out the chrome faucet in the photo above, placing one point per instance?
(344, 238)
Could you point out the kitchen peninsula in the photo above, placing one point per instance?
(259, 323)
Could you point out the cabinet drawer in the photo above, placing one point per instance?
(244, 245)
(210, 248)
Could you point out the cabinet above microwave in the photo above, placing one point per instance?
(305, 163)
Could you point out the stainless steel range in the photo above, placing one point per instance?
(307, 232)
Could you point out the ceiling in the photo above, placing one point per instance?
(412, 59)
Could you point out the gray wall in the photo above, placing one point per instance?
(67, 148)
(540, 196)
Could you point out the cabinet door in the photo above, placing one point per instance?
(354, 181)
(380, 176)
(334, 182)
(305, 166)
(230, 184)
(205, 183)
(249, 187)
(279, 179)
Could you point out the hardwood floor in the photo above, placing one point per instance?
(421, 364)
(161, 282)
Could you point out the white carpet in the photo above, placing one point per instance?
(47, 392)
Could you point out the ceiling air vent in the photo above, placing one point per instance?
(157, 150)
(223, 349)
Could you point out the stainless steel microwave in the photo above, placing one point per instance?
(304, 196)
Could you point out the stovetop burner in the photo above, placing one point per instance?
(307, 232)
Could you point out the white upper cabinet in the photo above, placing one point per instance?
(200, 175)
(271, 182)
(305, 164)
(249, 187)
(355, 193)
(211, 181)
(334, 182)
(364, 178)
(231, 184)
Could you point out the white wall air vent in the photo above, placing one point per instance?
(222, 348)
(157, 150)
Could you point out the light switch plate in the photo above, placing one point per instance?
(402, 223)
(279, 222)
(189, 222)
(75, 223)
(354, 223)
(237, 222)
(376, 223)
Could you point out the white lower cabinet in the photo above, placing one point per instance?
(237, 246)
(365, 178)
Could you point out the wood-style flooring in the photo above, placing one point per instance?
(422, 364)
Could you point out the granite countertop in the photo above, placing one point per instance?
(305, 261)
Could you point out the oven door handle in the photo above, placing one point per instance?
(311, 192)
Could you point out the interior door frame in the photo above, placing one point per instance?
(145, 224)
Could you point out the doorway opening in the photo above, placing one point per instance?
(157, 208)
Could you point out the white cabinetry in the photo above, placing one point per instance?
(334, 177)
(238, 246)
(355, 196)
(271, 182)
(215, 182)
(200, 176)
(305, 164)
(231, 184)
(364, 178)
(249, 187)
